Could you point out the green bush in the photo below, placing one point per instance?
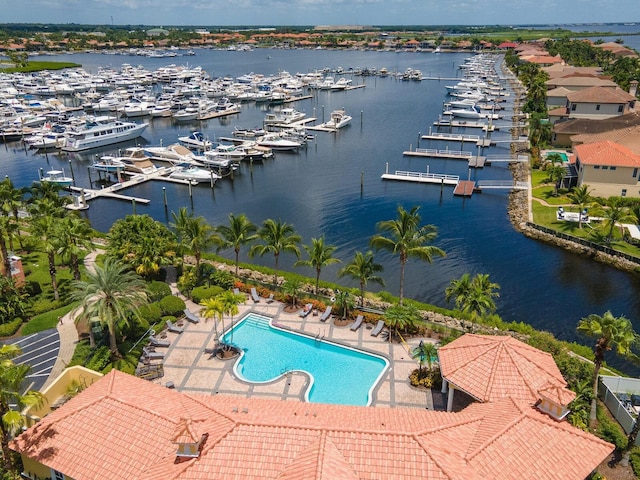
(158, 290)
(32, 288)
(222, 278)
(43, 305)
(610, 430)
(99, 359)
(8, 329)
(634, 458)
(150, 313)
(171, 305)
(202, 293)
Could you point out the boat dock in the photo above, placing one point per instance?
(464, 188)
(475, 161)
(295, 99)
(464, 124)
(455, 137)
(353, 87)
(420, 177)
(111, 191)
(210, 115)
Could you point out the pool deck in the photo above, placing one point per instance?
(192, 370)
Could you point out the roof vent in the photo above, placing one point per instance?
(189, 439)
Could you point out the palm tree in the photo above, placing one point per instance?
(239, 232)
(13, 399)
(407, 239)
(278, 237)
(110, 294)
(344, 301)
(580, 196)
(4, 252)
(363, 269)
(400, 317)
(179, 225)
(194, 234)
(230, 302)
(556, 174)
(610, 332)
(459, 290)
(480, 301)
(424, 352)
(213, 307)
(292, 288)
(614, 214)
(46, 228)
(75, 238)
(320, 255)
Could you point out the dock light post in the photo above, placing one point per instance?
(73, 176)
(164, 195)
(190, 190)
(418, 144)
(212, 180)
(322, 113)
(133, 205)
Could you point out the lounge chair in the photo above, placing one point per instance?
(357, 323)
(192, 317)
(326, 314)
(174, 328)
(270, 298)
(254, 295)
(306, 310)
(152, 355)
(376, 331)
(156, 342)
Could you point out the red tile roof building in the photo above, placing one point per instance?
(125, 427)
(608, 169)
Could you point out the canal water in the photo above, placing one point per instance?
(333, 186)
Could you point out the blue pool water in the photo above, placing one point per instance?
(339, 375)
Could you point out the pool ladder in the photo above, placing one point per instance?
(319, 337)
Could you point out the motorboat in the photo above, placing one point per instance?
(341, 84)
(194, 174)
(109, 164)
(135, 161)
(137, 108)
(175, 153)
(284, 116)
(101, 131)
(277, 142)
(196, 140)
(58, 177)
(469, 111)
(339, 119)
(222, 150)
(161, 110)
(185, 114)
(44, 141)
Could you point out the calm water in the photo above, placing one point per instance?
(318, 190)
(269, 353)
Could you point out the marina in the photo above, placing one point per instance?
(332, 184)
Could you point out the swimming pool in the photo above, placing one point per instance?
(339, 374)
(563, 156)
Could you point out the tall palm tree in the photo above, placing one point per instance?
(277, 237)
(213, 307)
(292, 288)
(75, 239)
(556, 174)
(344, 302)
(111, 294)
(13, 399)
(407, 238)
(481, 299)
(230, 302)
(239, 232)
(320, 255)
(611, 332)
(47, 230)
(363, 269)
(4, 252)
(11, 199)
(194, 234)
(400, 317)
(580, 196)
(179, 225)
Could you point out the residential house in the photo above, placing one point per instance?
(125, 427)
(608, 168)
(564, 131)
(627, 137)
(599, 102)
(577, 82)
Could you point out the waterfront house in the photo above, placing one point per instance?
(125, 427)
(608, 168)
(564, 131)
(627, 137)
(598, 103)
(575, 82)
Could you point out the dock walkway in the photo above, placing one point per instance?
(420, 177)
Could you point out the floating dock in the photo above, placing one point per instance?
(464, 124)
(464, 188)
(456, 137)
(210, 115)
(474, 161)
(420, 177)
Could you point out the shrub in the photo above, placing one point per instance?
(150, 313)
(201, 293)
(171, 305)
(610, 430)
(42, 305)
(429, 379)
(99, 359)
(32, 288)
(8, 329)
(634, 457)
(222, 279)
(158, 290)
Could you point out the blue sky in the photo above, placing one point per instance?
(317, 12)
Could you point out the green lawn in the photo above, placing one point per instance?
(39, 66)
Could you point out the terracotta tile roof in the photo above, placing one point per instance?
(628, 137)
(122, 427)
(601, 95)
(589, 125)
(559, 395)
(573, 82)
(606, 153)
(493, 367)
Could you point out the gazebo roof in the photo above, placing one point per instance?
(493, 367)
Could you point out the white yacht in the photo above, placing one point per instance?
(194, 174)
(196, 141)
(285, 115)
(339, 119)
(101, 131)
